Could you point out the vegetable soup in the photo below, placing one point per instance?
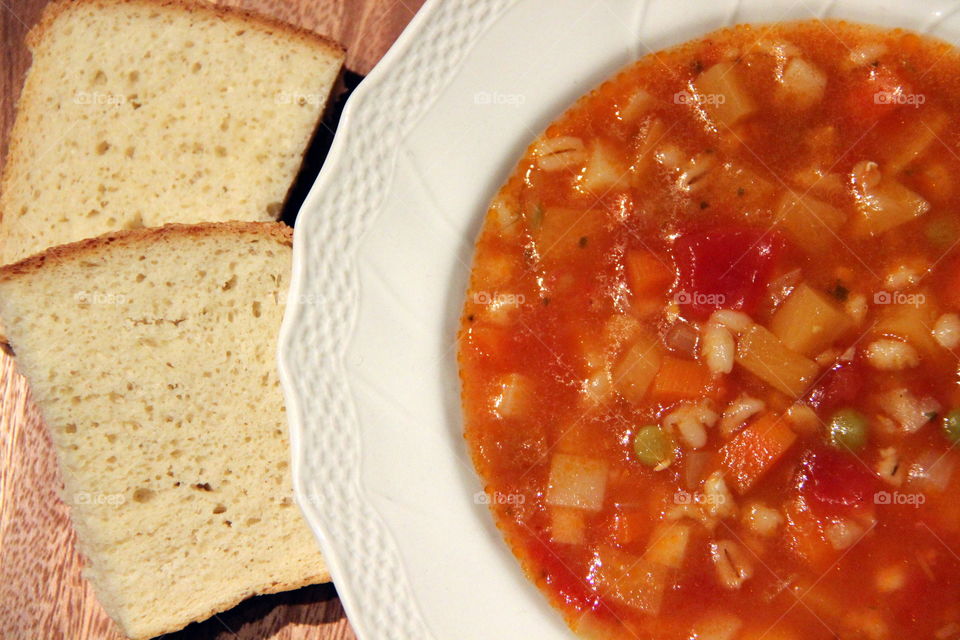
(709, 352)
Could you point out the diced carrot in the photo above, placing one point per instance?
(679, 379)
(647, 274)
(755, 450)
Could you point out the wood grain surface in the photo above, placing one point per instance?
(42, 594)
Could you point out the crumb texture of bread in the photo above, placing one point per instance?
(139, 113)
(151, 355)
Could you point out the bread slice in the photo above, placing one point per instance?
(145, 112)
(151, 355)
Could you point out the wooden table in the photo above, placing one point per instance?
(42, 595)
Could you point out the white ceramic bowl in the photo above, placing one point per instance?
(382, 250)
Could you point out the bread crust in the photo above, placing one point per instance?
(276, 231)
(241, 16)
(229, 603)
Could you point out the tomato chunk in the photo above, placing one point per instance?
(840, 386)
(835, 481)
(724, 269)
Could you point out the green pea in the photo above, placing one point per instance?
(848, 430)
(951, 425)
(653, 447)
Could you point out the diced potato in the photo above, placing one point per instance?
(912, 323)
(668, 544)
(731, 182)
(761, 353)
(719, 626)
(910, 412)
(645, 146)
(868, 53)
(621, 329)
(814, 224)
(562, 231)
(597, 387)
(883, 203)
(842, 533)
(639, 103)
(512, 394)
(803, 419)
(935, 182)
(577, 481)
(820, 182)
(604, 171)
(915, 139)
(808, 322)
(500, 307)
(931, 471)
(637, 368)
(567, 525)
(723, 97)
(802, 84)
(633, 580)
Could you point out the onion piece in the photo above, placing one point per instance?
(682, 338)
